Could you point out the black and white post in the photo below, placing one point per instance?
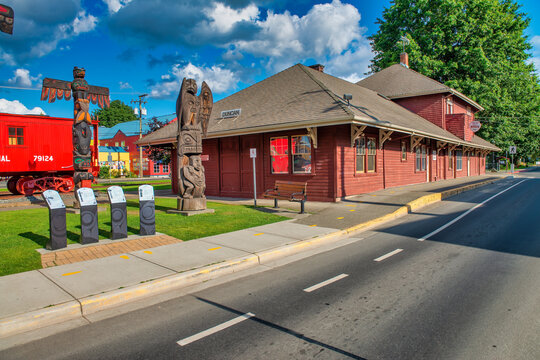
(253, 156)
(118, 212)
(89, 216)
(57, 220)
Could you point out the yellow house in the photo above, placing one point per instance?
(115, 157)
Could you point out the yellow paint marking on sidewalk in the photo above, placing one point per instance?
(124, 256)
(72, 273)
(352, 210)
(341, 217)
(147, 252)
(258, 234)
(313, 225)
(350, 205)
(216, 248)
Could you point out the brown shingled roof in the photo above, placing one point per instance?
(398, 81)
(300, 97)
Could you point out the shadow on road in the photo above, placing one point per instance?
(283, 329)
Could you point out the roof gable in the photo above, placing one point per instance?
(398, 81)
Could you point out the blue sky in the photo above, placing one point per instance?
(145, 46)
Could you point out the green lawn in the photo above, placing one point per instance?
(23, 231)
(134, 185)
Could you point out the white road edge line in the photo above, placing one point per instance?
(324, 283)
(215, 329)
(425, 237)
(386, 256)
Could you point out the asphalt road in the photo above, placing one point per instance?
(468, 291)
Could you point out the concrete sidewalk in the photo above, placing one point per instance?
(39, 298)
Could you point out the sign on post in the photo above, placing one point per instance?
(57, 220)
(118, 212)
(253, 155)
(89, 216)
(147, 210)
(512, 149)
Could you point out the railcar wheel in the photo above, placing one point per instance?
(12, 185)
(20, 185)
(67, 185)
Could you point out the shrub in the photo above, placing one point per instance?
(104, 172)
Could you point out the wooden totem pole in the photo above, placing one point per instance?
(6, 19)
(83, 94)
(193, 113)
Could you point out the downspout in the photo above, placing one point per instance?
(383, 168)
(335, 168)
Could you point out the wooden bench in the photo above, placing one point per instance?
(288, 190)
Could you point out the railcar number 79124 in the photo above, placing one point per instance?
(43, 158)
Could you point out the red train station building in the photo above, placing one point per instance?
(396, 127)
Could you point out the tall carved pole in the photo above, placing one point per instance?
(83, 94)
(193, 113)
(6, 19)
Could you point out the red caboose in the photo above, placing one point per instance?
(36, 153)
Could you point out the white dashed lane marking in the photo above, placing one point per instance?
(386, 256)
(214, 329)
(324, 283)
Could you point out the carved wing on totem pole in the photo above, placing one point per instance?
(6, 19)
(59, 89)
(182, 96)
(206, 100)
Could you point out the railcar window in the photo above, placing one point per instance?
(16, 136)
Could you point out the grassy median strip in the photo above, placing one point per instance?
(23, 231)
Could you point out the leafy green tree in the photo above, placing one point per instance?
(117, 113)
(159, 153)
(477, 47)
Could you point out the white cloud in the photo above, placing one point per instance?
(218, 78)
(124, 85)
(535, 41)
(16, 107)
(353, 63)
(327, 30)
(223, 18)
(22, 78)
(115, 5)
(84, 23)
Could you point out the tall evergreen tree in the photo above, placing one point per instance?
(118, 112)
(477, 47)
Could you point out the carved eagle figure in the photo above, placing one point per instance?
(193, 110)
(60, 89)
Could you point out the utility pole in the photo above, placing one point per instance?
(140, 102)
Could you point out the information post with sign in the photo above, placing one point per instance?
(118, 212)
(512, 150)
(89, 216)
(57, 220)
(253, 156)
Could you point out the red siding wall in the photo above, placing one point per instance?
(394, 173)
(430, 107)
(229, 167)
